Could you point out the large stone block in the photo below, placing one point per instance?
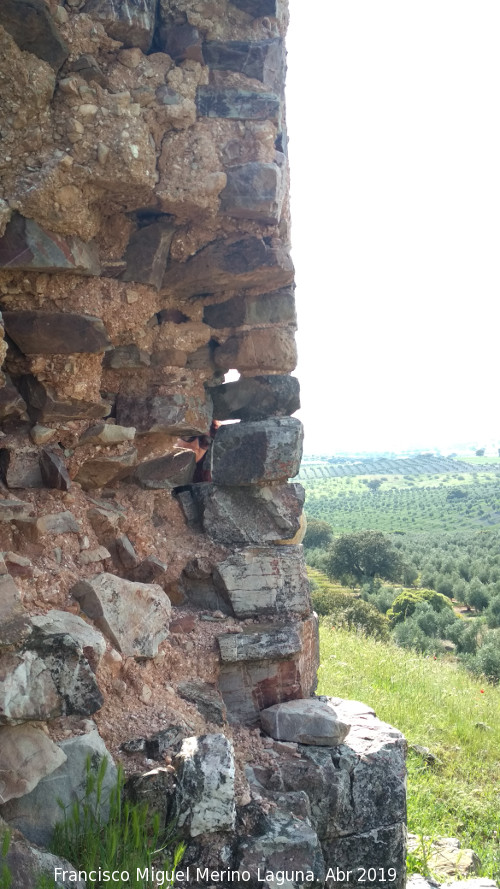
(379, 849)
(257, 8)
(258, 351)
(269, 580)
(255, 398)
(257, 452)
(26, 755)
(244, 516)
(56, 333)
(253, 191)
(129, 356)
(46, 406)
(270, 645)
(31, 25)
(229, 266)
(146, 254)
(237, 104)
(309, 721)
(205, 800)
(267, 308)
(26, 246)
(133, 615)
(167, 472)
(131, 22)
(90, 640)
(175, 414)
(261, 59)
(206, 699)
(283, 845)
(20, 465)
(104, 469)
(180, 42)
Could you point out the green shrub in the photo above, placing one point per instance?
(360, 616)
(408, 634)
(405, 604)
(486, 661)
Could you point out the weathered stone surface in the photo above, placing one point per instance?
(308, 721)
(167, 472)
(26, 246)
(257, 452)
(49, 678)
(171, 414)
(126, 356)
(257, 8)
(11, 403)
(130, 21)
(147, 253)
(27, 863)
(87, 66)
(37, 813)
(10, 510)
(155, 788)
(206, 699)
(134, 616)
(261, 59)
(446, 857)
(265, 581)
(26, 755)
(11, 607)
(267, 350)
(90, 556)
(90, 640)
(273, 644)
(229, 266)
(20, 466)
(58, 523)
(376, 848)
(256, 398)
(56, 333)
(31, 25)
(253, 191)
(167, 740)
(181, 42)
(107, 434)
(53, 470)
(150, 570)
(286, 844)
(123, 553)
(104, 469)
(197, 585)
(205, 800)
(244, 516)
(106, 522)
(237, 104)
(266, 308)
(45, 406)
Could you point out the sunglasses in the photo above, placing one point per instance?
(203, 440)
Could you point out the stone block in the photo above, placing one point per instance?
(380, 848)
(20, 466)
(150, 570)
(103, 469)
(167, 472)
(107, 434)
(125, 357)
(205, 799)
(37, 813)
(53, 470)
(155, 789)
(26, 755)
(86, 66)
(46, 406)
(56, 333)
(268, 308)
(282, 843)
(10, 510)
(257, 452)
(309, 721)
(257, 8)
(133, 615)
(181, 42)
(270, 645)
(244, 516)
(175, 414)
(255, 398)
(206, 699)
(253, 191)
(132, 22)
(58, 523)
(261, 59)
(147, 253)
(197, 586)
(258, 351)
(237, 104)
(31, 25)
(90, 640)
(26, 246)
(229, 266)
(265, 581)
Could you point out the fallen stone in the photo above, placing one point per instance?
(58, 523)
(61, 333)
(91, 556)
(257, 8)
(253, 191)
(103, 469)
(237, 104)
(18, 566)
(53, 470)
(147, 253)
(19, 465)
(150, 570)
(10, 510)
(107, 434)
(261, 59)
(166, 741)
(304, 722)
(87, 66)
(257, 452)
(46, 406)
(27, 864)
(134, 616)
(170, 414)
(12, 405)
(244, 516)
(167, 472)
(123, 553)
(26, 246)
(131, 22)
(256, 398)
(206, 699)
(90, 640)
(284, 843)
(26, 755)
(205, 798)
(446, 859)
(184, 624)
(273, 644)
(181, 42)
(31, 25)
(228, 266)
(126, 356)
(261, 351)
(106, 520)
(49, 678)
(37, 813)
(267, 308)
(265, 581)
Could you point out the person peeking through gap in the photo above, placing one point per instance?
(200, 445)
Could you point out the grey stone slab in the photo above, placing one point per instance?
(132, 22)
(257, 8)
(174, 414)
(257, 452)
(277, 307)
(307, 721)
(271, 645)
(283, 844)
(253, 191)
(265, 581)
(260, 59)
(237, 104)
(60, 333)
(26, 246)
(205, 799)
(147, 252)
(31, 25)
(256, 398)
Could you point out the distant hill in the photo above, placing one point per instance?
(427, 464)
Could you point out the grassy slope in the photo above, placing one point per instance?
(436, 705)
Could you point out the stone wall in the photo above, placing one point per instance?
(145, 615)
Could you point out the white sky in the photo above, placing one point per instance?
(394, 127)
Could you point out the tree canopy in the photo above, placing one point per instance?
(364, 555)
(318, 533)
